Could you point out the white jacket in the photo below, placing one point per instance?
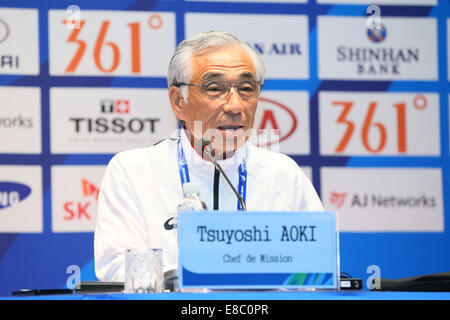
(141, 189)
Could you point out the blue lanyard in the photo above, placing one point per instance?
(182, 165)
(242, 186)
(184, 173)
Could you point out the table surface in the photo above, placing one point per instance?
(251, 295)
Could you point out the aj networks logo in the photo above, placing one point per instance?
(19, 121)
(115, 118)
(366, 200)
(337, 199)
(12, 193)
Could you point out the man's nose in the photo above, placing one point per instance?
(233, 104)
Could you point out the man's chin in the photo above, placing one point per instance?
(227, 146)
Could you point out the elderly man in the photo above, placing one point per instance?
(214, 82)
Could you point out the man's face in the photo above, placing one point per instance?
(229, 117)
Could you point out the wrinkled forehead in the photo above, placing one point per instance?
(222, 63)
(216, 76)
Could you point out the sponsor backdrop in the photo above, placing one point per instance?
(359, 92)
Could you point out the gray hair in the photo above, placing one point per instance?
(180, 67)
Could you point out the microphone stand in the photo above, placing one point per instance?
(206, 147)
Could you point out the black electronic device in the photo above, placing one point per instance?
(350, 283)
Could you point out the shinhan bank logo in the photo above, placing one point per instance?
(376, 35)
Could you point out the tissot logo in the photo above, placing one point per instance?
(116, 118)
(4, 31)
(376, 35)
(11, 193)
(108, 120)
(121, 106)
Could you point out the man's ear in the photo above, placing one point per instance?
(177, 102)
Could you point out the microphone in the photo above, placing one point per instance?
(206, 148)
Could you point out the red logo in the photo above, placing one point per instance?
(78, 210)
(89, 189)
(271, 113)
(337, 198)
(120, 106)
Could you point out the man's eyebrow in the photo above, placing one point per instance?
(211, 76)
(216, 75)
(247, 76)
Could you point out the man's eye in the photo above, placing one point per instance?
(247, 87)
(215, 88)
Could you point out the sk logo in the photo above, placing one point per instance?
(89, 189)
(78, 210)
(337, 199)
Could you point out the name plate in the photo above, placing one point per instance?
(258, 250)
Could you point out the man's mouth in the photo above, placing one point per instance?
(230, 127)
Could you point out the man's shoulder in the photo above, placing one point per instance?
(263, 157)
(156, 154)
